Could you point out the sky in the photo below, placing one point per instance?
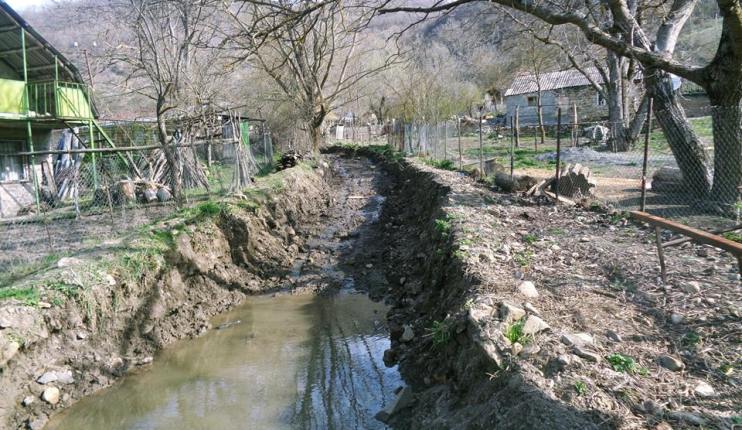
(19, 5)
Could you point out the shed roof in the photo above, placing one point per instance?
(40, 54)
(526, 83)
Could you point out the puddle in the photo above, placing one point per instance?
(292, 362)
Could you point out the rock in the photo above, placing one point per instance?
(65, 377)
(704, 390)
(163, 194)
(8, 350)
(534, 325)
(530, 350)
(490, 350)
(691, 287)
(572, 339)
(527, 289)
(404, 398)
(532, 309)
(110, 280)
(37, 423)
(408, 334)
(51, 395)
(68, 262)
(510, 313)
(703, 252)
(671, 363)
(28, 400)
(81, 335)
(44, 305)
(47, 378)
(612, 335)
(402, 280)
(478, 314)
(390, 357)
(516, 348)
(667, 179)
(686, 417)
(676, 318)
(585, 353)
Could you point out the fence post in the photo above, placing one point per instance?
(575, 129)
(445, 140)
(512, 142)
(481, 146)
(458, 135)
(517, 126)
(643, 203)
(558, 151)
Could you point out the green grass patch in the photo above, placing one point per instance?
(440, 164)
(514, 333)
(443, 226)
(580, 388)
(440, 332)
(29, 296)
(733, 235)
(523, 258)
(530, 238)
(625, 364)
(18, 272)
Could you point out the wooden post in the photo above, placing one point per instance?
(512, 142)
(643, 203)
(575, 127)
(517, 126)
(458, 134)
(445, 140)
(558, 153)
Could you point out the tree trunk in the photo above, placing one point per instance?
(683, 141)
(171, 155)
(619, 140)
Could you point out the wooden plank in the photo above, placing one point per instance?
(688, 239)
(697, 235)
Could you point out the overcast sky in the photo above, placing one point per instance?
(19, 5)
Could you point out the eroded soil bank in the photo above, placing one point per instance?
(511, 313)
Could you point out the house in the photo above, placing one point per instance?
(40, 91)
(563, 89)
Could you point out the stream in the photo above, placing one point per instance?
(309, 361)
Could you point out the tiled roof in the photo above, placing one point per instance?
(526, 83)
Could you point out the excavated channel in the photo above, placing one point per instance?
(286, 361)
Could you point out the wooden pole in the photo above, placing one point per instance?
(660, 252)
(558, 153)
(512, 142)
(458, 135)
(575, 128)
(481, 145)
(517, 126)
(643, 203)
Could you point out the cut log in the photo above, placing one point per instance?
(515, 183)
(575, 180)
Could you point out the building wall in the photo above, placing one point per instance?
(19, 194)
(586, 99)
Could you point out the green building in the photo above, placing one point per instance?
(40, 91)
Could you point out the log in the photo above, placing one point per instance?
(515, 183)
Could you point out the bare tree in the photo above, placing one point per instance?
(315, 60)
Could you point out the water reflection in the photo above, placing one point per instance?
(294, 362)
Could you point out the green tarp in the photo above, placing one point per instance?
(11, 97)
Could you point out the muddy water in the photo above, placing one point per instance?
(293, 362)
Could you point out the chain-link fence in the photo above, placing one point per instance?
(95, 186)
(695, 181)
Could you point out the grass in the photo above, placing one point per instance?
(733, 235)
(443, 226)
(523, 158)
(523, 258)
(625, 364)
(702, 126)
(440, 164)
(530, 238)
(18, 272)
(440, 333)
(691, 339)
(514, 333)
(29, 296)
(580, 388)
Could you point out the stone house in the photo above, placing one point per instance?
(558, 89)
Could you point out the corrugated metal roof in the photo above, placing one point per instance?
(526, 83)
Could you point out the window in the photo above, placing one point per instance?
(599, 100)
(12, 166)
(532, 101)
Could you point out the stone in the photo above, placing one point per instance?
(44, 305)
(534, 325)
(516, 348)
(585, 353)
(676, 318)
(691, 287)
(527, 289)
(703, 389)
(530, 350)
(81, 335)
(51, 395)
(28, 400)
(671, 363)
(390, 357)
(68, 262)
(110, 280)
(65, 377)
(612, 335)
(667, 179)
(408, 334)
(510, 313)
(163, 194)
(8, 350)
(402, 280)
(572, 339)
(37, 423)
(47, 378)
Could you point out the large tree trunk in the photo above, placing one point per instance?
(171, 155)
(683, 141)
(619, 140)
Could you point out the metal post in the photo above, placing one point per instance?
(92, 156)
(481, 146)
(558, 151)
(643, 203)
(29, 131)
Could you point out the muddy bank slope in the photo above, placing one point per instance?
(512, 314)
(77, 328)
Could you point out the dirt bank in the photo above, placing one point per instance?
(97, 316)
(513, 314)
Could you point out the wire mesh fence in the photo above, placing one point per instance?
(693, 176)
(78, 194)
